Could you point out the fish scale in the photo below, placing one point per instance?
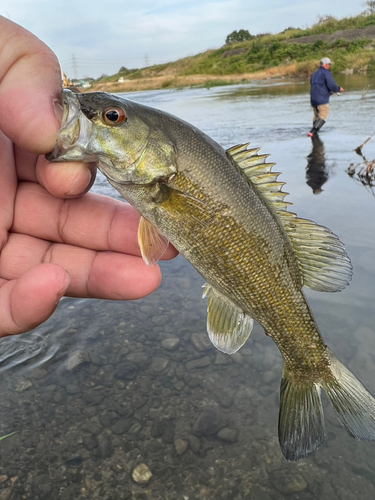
(225, 213)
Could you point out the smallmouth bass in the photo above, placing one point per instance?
(225, 213)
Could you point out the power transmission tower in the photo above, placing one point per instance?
(146, 61)
(74, 64)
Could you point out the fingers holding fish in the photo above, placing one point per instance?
(92, 221)
(63, 181)
(31, 299)
(105, 275)
(77, 179)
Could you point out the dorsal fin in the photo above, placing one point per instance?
(259, 173)
(322, 258)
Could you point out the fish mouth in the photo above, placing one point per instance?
(73, 138)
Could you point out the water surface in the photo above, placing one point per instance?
(104, 386)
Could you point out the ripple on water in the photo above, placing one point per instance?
(25, 352)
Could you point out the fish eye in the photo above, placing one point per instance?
(114, 116)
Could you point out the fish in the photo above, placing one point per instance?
(225, 212)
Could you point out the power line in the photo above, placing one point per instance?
(83, 65)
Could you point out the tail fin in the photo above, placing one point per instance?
(353, 404)
(301, 420)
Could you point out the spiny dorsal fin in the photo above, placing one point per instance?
(228, 327)
(323, 261)
(259, 174)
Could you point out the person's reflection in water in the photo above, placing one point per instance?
(316, 171)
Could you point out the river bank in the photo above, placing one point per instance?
(169, 80)
(177, 81)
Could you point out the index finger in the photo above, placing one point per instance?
(92, 221)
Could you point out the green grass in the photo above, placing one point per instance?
(7, 435)
(258, 55)
(331, 24)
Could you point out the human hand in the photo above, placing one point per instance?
(53, 241)
(341, 89)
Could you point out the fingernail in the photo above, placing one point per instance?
(83, 181)
(92, 169)
(64, 288)
(57, 107)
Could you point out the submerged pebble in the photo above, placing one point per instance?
(170, 344)
(198, 363)
(209, 422)
(269, 376)
(76, 359)
(228, 434)
(5, 494)
(288, 483)
(141, 474)
(121, 426)
(201, 342)
(194, 443)
(222, 359)
(126, 371)
(180, 446)
(159, 365)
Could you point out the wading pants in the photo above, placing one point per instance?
(320, 111)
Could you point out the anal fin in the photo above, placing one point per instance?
(228, 327)
(151, 242)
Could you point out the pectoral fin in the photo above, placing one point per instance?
(151, 242)
(184, 207)
(228, 327)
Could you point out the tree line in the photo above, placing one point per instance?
(244, 35)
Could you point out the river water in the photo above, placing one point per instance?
(102, 387)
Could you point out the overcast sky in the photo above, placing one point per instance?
(95, 37)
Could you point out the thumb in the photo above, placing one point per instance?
(30, 86)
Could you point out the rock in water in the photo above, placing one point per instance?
(209, 422)
(141, 474)
(227, 434)
(180, 446)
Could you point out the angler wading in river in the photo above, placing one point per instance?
(322, 86)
